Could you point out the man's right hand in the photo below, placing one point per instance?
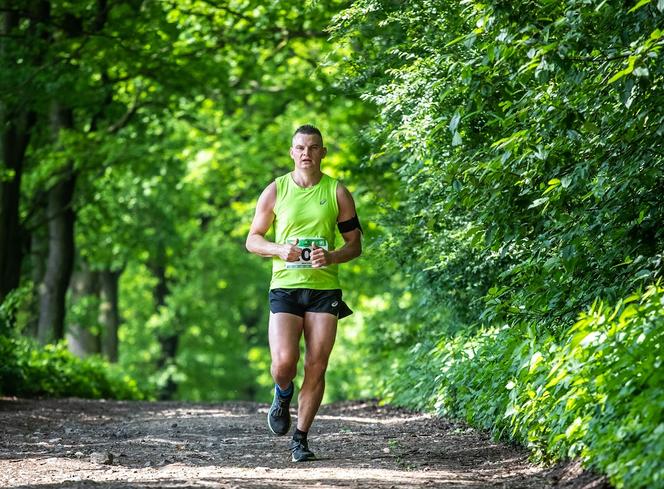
(290, 252)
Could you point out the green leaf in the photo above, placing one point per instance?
(538, 202)
(454, 122)
(626, 71)
(640, 4)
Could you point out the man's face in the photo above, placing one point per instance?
(307, 151)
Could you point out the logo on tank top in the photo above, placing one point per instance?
(322, 202)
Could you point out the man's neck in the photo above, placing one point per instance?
(307, 178)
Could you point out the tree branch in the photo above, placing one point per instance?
(126, 117)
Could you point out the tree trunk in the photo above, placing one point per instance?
(168, 341)
(14, 142)
(169, 348)
(15, 135)
(252, 319)
(83, 337)
(38, 253)
(60, 215)
(109, 316)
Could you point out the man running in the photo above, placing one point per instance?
(305, 207)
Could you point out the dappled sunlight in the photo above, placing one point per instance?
(374, 420)
(65, 471)
(60, 444)
(199, 412)
(505, 161)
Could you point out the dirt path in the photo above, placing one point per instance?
(70, 443)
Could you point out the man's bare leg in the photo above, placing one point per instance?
(320, 331)
(284, 333)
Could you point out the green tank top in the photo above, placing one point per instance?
(308, 215)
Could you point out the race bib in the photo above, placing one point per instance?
(307, 246)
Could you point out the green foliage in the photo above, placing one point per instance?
(531, 173)
(28, 370)
(518, 161)
(182, 112)
(13, 315)
(595, 393)
(507, 166)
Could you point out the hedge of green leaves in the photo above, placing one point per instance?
(522, 158)
(597, 394)
(27, 370)
(527, 142)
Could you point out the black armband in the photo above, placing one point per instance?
(350, 224)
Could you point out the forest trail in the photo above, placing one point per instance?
(70, 443)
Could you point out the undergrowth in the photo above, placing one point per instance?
(29, 370)
(594, 393)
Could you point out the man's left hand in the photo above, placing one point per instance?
(320, 257)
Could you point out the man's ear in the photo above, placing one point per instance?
(324, 153)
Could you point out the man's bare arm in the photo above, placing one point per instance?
(352, 247)
(256, 241)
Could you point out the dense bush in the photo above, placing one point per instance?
(28, 370)
(522, 159)
(527, 142)
(595, 394)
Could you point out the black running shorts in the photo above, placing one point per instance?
(299, 301)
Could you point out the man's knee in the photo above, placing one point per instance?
(284, 365)
(315, 367)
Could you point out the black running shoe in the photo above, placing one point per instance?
(278, 418)
(300, 451)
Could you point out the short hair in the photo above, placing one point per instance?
(308, 129)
